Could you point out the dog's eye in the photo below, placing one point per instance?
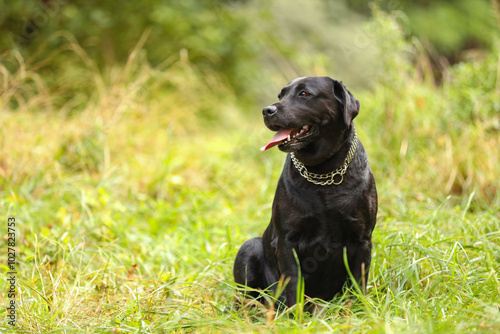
(303, 93)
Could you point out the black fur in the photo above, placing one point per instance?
(316, 222)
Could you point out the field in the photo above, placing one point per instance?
(133, 188)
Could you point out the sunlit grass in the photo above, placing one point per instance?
(131, 208)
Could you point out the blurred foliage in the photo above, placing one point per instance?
(215, 34)
(251, 44)
(421, 120)
(448, 26)
(192, 62)
(474, 89)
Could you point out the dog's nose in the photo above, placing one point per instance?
(269, 110)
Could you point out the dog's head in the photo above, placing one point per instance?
(312, 118)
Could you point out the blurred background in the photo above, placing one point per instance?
(423, 70)
(133, 128)
(250, 43)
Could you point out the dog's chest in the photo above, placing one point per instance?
(309, 215)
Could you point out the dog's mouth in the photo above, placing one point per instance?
(285, 137)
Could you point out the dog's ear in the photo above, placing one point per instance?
(347, 102)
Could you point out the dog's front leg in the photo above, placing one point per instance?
(359, 263)
(288, 265)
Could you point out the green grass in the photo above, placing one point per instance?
(131, 208)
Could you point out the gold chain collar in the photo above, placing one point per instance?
(317, 179)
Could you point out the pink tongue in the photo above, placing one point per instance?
(277, 138)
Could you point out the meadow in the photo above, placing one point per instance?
(133, 188)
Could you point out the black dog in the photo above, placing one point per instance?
(325, 205)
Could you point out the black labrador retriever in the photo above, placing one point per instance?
(325, 205)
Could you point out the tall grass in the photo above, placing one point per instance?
(134, 187)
